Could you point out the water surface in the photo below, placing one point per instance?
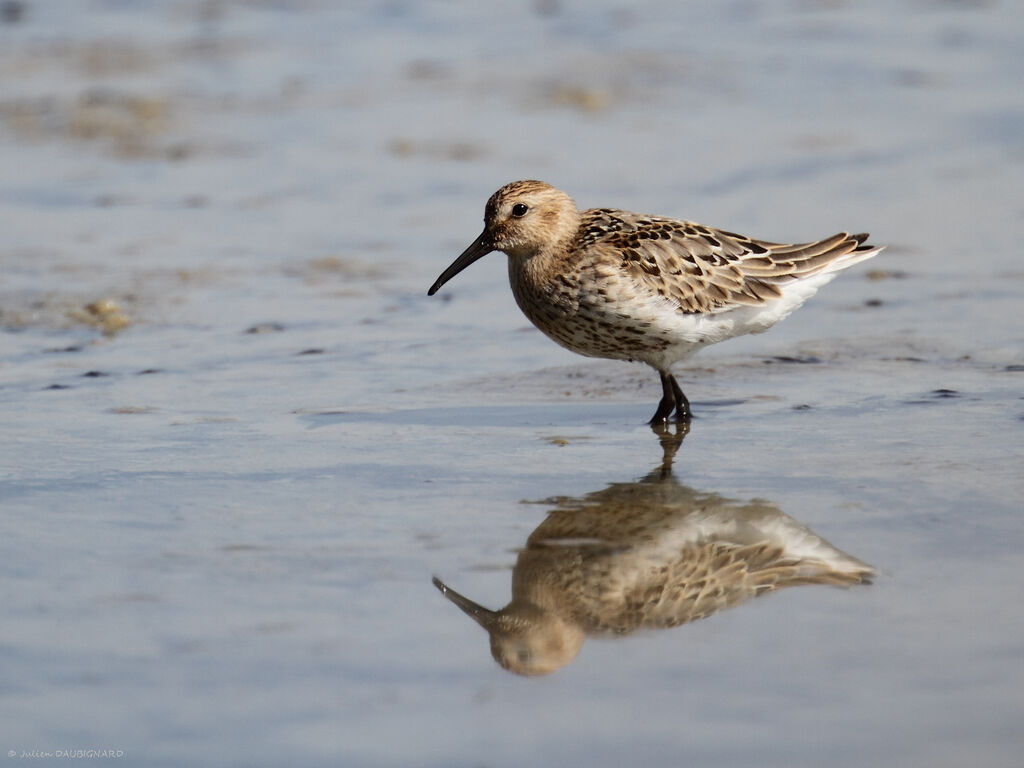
(227, 485)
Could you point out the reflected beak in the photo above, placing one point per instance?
(482, 616)
(480, 248)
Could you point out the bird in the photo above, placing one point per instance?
(649, 554)
(611, 283)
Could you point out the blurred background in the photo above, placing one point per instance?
(239, 438)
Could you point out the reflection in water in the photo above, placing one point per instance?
(649, 554)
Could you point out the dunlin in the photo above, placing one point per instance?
(611, 283)
(651, 554)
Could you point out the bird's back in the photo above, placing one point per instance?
(655, 289)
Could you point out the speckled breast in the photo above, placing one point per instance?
(586, 322)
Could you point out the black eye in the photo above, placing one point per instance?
(519, 210)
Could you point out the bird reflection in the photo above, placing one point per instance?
(650, 554)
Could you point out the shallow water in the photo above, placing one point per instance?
(225, 491)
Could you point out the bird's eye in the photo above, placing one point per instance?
(519, 210)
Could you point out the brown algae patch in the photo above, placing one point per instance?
(104, 314)
(128, 123)
(53, 311)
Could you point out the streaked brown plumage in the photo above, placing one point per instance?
(615, 284)
(651, 554)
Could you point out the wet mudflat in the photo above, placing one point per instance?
(240, 441)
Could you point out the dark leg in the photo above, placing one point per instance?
(668, 399)
(682, 404)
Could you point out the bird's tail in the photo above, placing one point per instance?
(861, 252)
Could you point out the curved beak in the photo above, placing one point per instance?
(480, 248)
(482, 616)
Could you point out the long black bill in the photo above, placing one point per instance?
(480, 248)
(482, 616)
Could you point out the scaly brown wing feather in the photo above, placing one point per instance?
(715, 575)
(706, 270)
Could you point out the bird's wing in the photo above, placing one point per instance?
(712, 576)
(701, 269)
